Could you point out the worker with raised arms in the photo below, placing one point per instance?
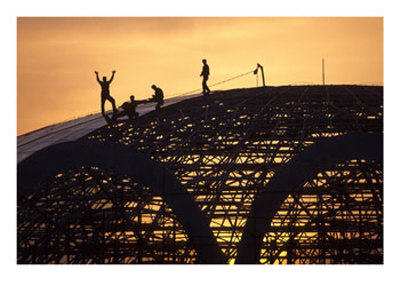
(105, 92)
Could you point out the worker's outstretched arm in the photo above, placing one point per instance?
(112, 77)
(97, 76)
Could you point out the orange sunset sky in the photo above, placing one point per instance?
(56, 57)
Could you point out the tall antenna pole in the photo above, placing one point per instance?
(323, 72)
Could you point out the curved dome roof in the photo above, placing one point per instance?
(225, 149)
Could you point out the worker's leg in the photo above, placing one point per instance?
(112, 100)
(207, 88)
(103, 100)
(204, 86)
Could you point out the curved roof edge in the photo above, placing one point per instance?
(72, 130)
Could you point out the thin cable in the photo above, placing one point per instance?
(218, 83)
(229, 79)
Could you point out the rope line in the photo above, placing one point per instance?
(215, 84)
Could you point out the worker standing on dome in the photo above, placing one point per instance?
(105, 92)
(205, 74)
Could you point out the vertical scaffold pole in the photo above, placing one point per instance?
(262, 72)
(323, 72)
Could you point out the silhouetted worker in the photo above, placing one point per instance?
(157, 97)
(205, 74)
(105, 92)
(129, 108)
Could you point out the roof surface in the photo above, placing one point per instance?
(71, 130)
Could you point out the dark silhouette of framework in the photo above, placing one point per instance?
(226, 155)
(67, 156)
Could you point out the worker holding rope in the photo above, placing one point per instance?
(205, 74)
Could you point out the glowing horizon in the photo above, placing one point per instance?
(57, 57)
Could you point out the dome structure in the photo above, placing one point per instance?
(271, 175)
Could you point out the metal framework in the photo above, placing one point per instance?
(57, 159)
(304, 217)
(224, 150)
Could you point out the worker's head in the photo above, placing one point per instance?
(104, 78)
(132, 98)
(204, 61)
(154, 86)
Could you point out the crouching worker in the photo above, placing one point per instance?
(158, 96)
(128, 108)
